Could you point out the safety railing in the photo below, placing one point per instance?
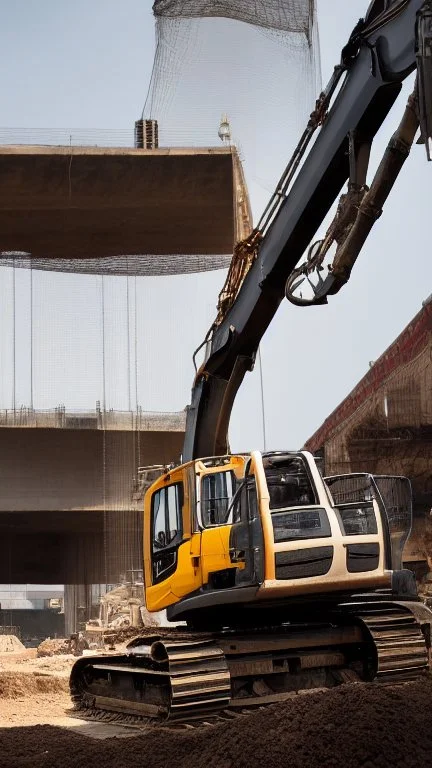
(62, 418)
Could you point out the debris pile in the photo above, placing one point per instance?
(54, 647)
(122, 615)
(10, 644)
(123, 606)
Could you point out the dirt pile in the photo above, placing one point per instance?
(357, 726)
(18, 685)
(33, 690)
(10, 644)
(56, 647)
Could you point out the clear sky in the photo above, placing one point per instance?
(87, 65)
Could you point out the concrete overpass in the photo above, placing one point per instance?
(87, 203)
(67, 513)
(384, 425)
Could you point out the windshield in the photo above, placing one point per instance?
(288, 482)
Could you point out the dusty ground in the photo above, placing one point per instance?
(357, 726)
(33, 690)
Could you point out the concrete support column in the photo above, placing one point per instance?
(77, 607)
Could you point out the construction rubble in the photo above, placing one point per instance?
(122, 614)
(10, 644)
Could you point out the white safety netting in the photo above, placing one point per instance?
(111, 349)
(286, 15)
(256, 62)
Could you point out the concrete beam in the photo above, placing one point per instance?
(53, 547)
(61, 470)
(120, 421)
(88, 202)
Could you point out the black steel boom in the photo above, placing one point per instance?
(383, 50)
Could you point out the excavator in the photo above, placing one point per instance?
(278, 578)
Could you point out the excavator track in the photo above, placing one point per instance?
(189, 681)
(401, 652)
(200, 679)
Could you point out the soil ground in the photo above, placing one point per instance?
(33, 690)
(354, 726)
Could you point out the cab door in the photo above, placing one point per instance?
(170, 568)
(167, 530)
(246, 536)
(215, 493)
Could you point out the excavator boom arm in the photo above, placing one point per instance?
(380, 54)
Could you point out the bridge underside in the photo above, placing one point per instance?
(67, 508)
(54, 547)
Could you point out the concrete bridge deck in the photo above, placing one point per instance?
(95, 202)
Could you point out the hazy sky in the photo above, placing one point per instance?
(87, 65)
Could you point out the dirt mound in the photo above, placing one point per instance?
(17, 685)
(357, 726)
(10, 644)
(50, 647)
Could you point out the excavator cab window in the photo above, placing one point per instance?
(238, 509)
(217, 490)
(288, 482)
(291, 492)
(167, 530)
(353, 498)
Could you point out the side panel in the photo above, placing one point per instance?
(215, 520)
(345, 549)
(215, 555)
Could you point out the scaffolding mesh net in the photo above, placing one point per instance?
(96, 366)
(286, 15)
(138, 265)
(257, 63)
(95, 373)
